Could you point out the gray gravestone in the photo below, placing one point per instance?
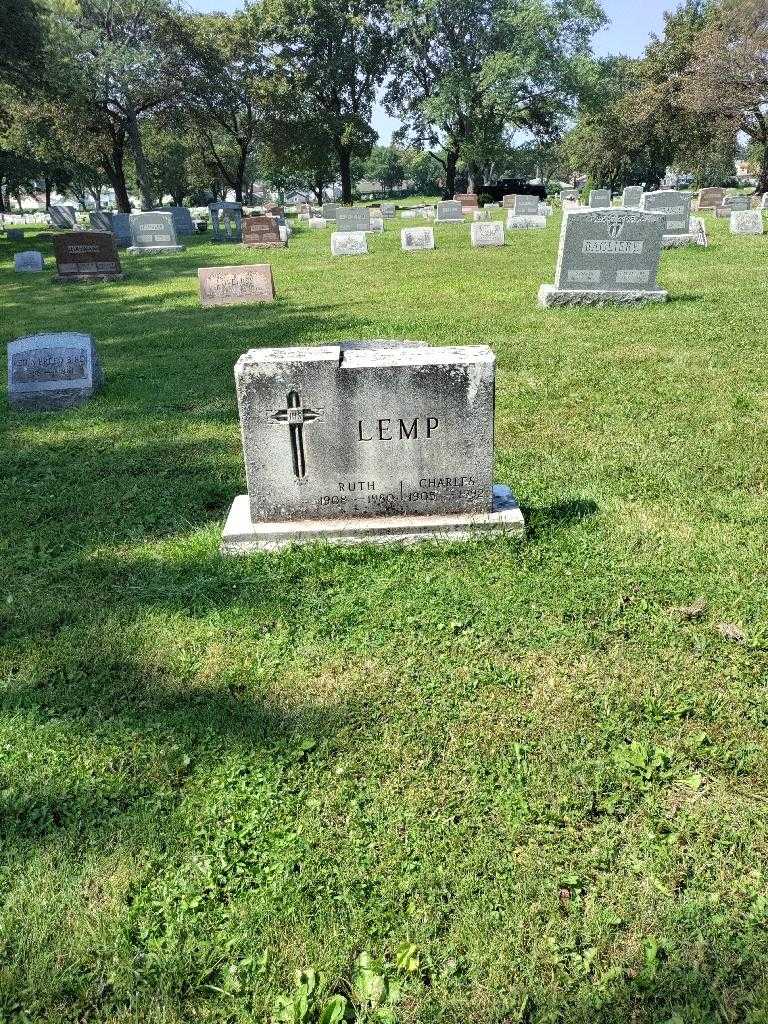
(349, 243)
(63, 217)
(747, 222)
(484, 233)
(353, 218)
(736, 203)
(570, 195)
(607, 256)
(599, 198)
(121, 229)
(14, 235)
(525, 206)
(676, 207)
(52, 371)
(632, 196)
(387, 210)
(366, 442)
(182, 219)
(328, 211)
(226, 222)
(710, 198)
(153, 232)
(28, 262)
(449, 212)
(416, 239)
(100, 220)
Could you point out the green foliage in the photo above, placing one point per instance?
(521, 758)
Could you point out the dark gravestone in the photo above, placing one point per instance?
(262, 233)
(87, 256)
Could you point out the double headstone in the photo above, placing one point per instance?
(525, 213)
(52, 371)
(607, 256)
(468, 200)
(226, 222)
(680, 228)
(235, 286)
(449, 212)
(353, 218)
(262, 233)
(153, 232)
(366, 442)
(87, 256)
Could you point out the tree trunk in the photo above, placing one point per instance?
(319, 186)
(48, 185)
(345, 172)
(451, 159)
(139, 159)
(762, 183)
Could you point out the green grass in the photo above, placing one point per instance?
(518, 758)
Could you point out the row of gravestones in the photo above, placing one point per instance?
(371, 441)
(744, 216)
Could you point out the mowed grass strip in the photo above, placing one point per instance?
(538, 766)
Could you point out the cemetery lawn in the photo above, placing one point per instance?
(504, 781)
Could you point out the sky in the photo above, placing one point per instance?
(630, 26)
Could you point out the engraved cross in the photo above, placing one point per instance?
(296, 415)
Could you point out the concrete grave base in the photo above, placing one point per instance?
(696, 236)
(241, 535)
(525, 221)
(81, 278)
(155, 248)
(450, 220)
(550, 296)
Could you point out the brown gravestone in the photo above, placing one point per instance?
(233, 286)
(468, 200)
(87, 256)
(262, 232)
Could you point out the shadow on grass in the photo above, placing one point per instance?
(542, 521)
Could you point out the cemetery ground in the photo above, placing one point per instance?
(500, 781)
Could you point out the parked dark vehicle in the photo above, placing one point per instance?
(504, 187)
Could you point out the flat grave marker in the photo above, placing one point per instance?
(236, 286)
(51, 371)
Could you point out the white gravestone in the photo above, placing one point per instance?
(489, 233)
(52, 371)
(30, 262)
(607, 256)
(480, 215)
(349, 243)
(317, 222)
(366, 442)
(415, 239)
(747, 222)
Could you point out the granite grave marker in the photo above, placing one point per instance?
(235, 286)
(52, 371)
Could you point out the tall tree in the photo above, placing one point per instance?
(467, 71)
(221, 62)
(113, 68)
(728, 79)
(333, 54)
